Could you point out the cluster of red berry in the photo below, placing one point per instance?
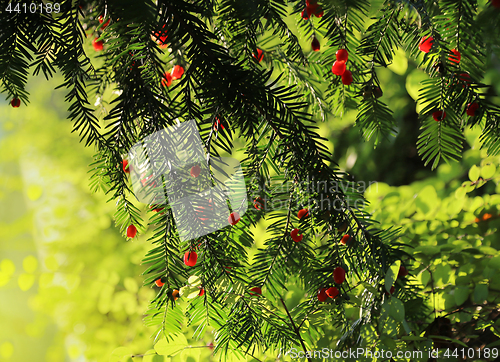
(455, 57)
(302, 214)
(339, 67)
(332, 292)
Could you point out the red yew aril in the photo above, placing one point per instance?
(465, 77)
(125, 166)
(258, 203)
(177, 72)
(332, 292)
(426, 44)
(495, 3)
(439, 116)
(202, 292)
(166, 80)
(295, 235)
(159, 283)
(347, 78)
(456, 57)
(304, 14)
(391, 291)
(338, 67)
(342, 55)
(233, 218)
(402, 272)
(131, 231)
(101, 20)
(161, 37)
(322, 296)
(195, 171)
(15, 103)
(175, 294)
(259, 56)
(255, 290)
(190, 258)
(218, 124)
(98, 45)
(315, 44)
(472, 108)
(346, 239)
(339, 275)
(303, 213)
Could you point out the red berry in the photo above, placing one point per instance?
(190, 258)
(347, 77)
(346, 239)
(496, 3)
(339, 275)
(338, 67)
(315, 44)
(98, 45)
(161, 36)
(195, 171)
(210, 345)
(256, 290)
(456, 56)
(131, 231)
(391, 291)
(304, 14)
(472, 108)
(202, 292)
(295, 235)
(439, 115)
(258, 203)
(464, 77)
(16, 102)
(233, 218)
(125, 166)
(166, 80)
(303, 213)
(101, 19)
(332, 292)
(310, 3)
(402, 272)
(175, 294)
(322, 296)
(177, 72)
(259, 56)
(311, 8)
(426, 44)
(342, 55)
(218, 124)
(159, 283)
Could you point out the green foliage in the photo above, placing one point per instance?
(271, 110)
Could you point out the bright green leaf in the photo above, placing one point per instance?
(172, 344)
